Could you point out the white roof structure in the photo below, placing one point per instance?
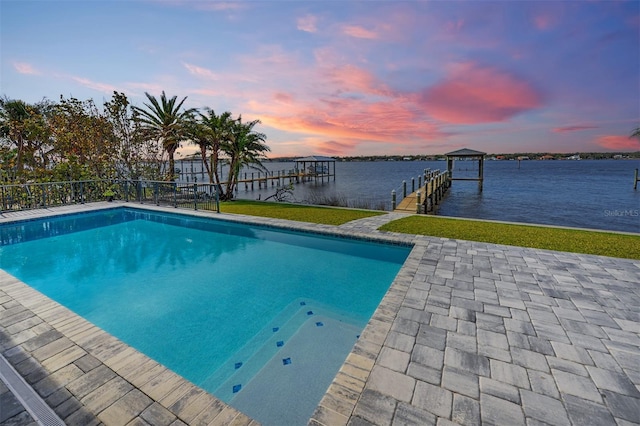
(465, 152)
(315, 158)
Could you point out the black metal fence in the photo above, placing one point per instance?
(198, 196)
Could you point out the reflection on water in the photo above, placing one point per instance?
(122, 244)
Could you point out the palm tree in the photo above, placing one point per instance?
(635, 133)
(166, 123)
(211, 132)
(245, 147)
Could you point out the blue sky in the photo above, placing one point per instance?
(349, 78)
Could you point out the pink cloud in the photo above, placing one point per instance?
(543, 22)
(331, 105)
(201, 72)
(25, 68)
(217, 6)
(392, 120)
(308, 23)
(475, 94)
(269, 59)
(147, 87)
(335, 147)
(619, 143)
(359, 32)
(228, 5)
(577, 128)
(334, 101)
(283, 97)
(453, 27)
(349, 78)
(101, 87)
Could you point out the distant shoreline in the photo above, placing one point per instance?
(540, 156)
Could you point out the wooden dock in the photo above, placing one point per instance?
(281, 178)
(428, 196)
(276, 178)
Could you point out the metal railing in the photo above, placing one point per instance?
(28, 196)
(16, 197)
(199, 196)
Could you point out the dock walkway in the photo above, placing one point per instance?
(428, 196)
(408, 204)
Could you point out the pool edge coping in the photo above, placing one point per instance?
(338, 402)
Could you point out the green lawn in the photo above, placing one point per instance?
(298, 212)
(570, 240)
(560, 239)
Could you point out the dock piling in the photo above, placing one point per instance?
(428, 195)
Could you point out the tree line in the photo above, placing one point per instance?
(73, 140)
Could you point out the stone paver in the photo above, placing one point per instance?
(469, 333)
(524, 336)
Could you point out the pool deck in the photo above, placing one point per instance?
(468, 333)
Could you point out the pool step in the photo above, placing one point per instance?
(290, 385)
(238, 370)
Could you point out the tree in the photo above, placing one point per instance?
(215, 130)
(85, 145)
(635, 133)
(136, 157)
(245, 147)
(165, 122)
(25, 139)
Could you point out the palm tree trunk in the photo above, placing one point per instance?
(214, 165)
(203, 154)
(171, 175)
(232, 179)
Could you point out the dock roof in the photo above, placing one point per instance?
(465, 152)
(316, 158)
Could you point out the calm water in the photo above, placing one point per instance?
(595, 194)
(216, 302)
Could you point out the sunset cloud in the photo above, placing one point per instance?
(201, 72)
(100, 87)
(359, 32)
(25, 68)
(393, 120)
(573, 128)
(543, 22)
(308, 23)
(619, 143)
(387, 77)
(478, 94)
(349, 78)
(454, 26)
(335, 147)
(339, 107)
(283, 97)
(219, 6)
(146, 87)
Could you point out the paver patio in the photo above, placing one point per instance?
(468, 333)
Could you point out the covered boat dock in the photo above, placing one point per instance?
(317, 168)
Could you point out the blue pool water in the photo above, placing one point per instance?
(235, 309)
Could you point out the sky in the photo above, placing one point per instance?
(349, 78)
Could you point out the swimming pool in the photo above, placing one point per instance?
(242, 311)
